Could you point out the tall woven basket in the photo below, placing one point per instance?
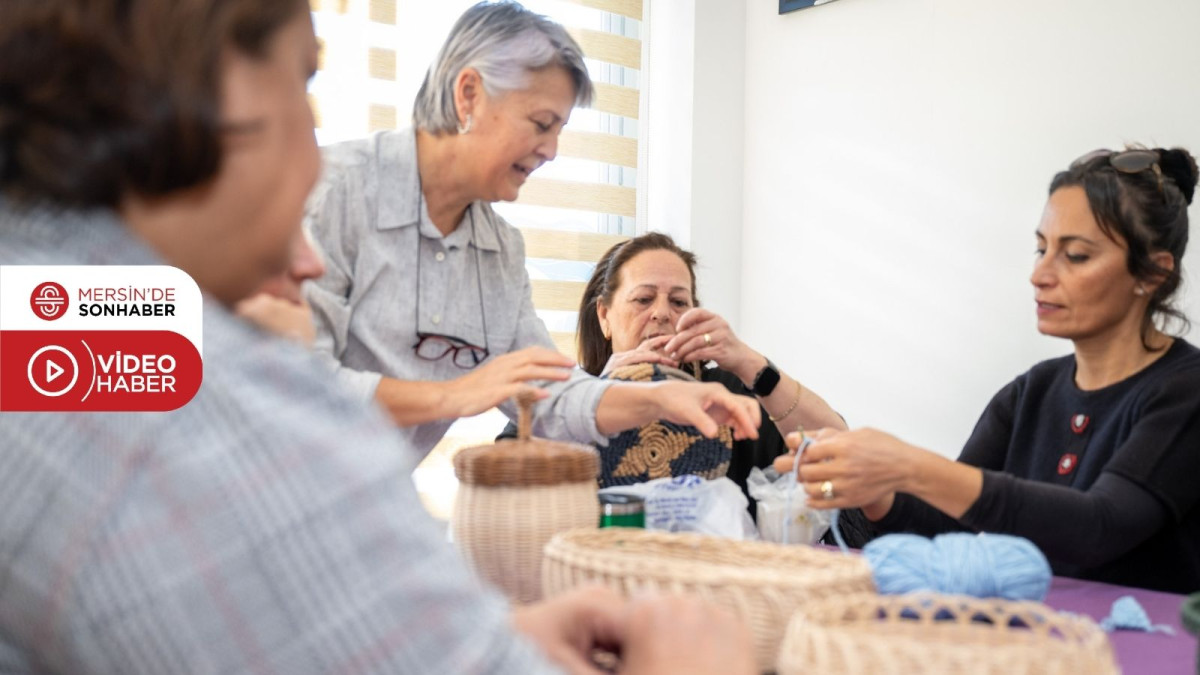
(930, 633)
(761, 582)
(513, 496)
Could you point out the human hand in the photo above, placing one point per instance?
(723, 346)
(787, 463)
(504, 377)
(652, 634)
(706, 406)
(649, 351)
(683, 634)
(569, 626)
(864, 467)
(287, 318)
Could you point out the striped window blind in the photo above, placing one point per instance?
(374, 54)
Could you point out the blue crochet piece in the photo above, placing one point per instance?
(1128, 614)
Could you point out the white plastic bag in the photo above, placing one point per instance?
(693, 504)
(803, 525)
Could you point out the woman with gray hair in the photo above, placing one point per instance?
(426, 304)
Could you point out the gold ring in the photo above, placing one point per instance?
(827, 489)
(707, 340)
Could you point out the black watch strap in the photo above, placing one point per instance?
(765, 380)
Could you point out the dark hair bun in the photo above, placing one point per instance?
(1181, 167)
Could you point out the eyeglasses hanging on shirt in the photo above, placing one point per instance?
(435, 346)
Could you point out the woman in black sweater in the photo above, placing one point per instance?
(1092, 456)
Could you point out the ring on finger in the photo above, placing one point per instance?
(827, 489)
(707, 340)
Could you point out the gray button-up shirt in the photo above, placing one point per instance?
(369, 220)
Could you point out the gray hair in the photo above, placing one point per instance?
(504, 42)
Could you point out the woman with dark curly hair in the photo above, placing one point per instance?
(1092, 456)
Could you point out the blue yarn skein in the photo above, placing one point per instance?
(983, 565)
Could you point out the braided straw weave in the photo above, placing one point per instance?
(662, 449)
(931, 633)
(761, 582)
(513, 497)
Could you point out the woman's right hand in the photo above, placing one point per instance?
(649, 351)
(875, 504)
(685, 634)
(504, 377)
(651, 633)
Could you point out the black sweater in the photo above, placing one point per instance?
(1105, 482)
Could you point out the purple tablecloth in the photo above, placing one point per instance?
(1137, 652)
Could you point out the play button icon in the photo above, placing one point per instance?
(56, 362)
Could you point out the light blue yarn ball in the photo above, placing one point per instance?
(982, 565)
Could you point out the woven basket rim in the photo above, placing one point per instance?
(1074, 631)
(635, 372)
(849, 631)
(776, 569)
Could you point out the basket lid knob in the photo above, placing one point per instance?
(526, 461)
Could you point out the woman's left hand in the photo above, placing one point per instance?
(864, 467)
(722, 345)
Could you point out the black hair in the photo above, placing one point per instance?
(1131, 208)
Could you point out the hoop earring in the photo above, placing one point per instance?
(465, 128)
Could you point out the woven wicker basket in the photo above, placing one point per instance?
(513, 497)
(763, 583)
(930, 633)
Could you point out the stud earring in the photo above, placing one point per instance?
(465, 128)
(1140, 290)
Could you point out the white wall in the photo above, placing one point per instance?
(897, 154)
(693, 116)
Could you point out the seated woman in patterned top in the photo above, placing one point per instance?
(1092, 456)
(640, 306)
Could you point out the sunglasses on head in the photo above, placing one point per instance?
(1127, 161)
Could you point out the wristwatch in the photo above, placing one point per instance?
(765, 380)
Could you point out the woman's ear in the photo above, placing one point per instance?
(602, 317)
(1164, 260)
(468, 88)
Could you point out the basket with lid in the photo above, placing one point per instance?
(513, 497)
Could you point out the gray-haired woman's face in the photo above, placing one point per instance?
(514, 133)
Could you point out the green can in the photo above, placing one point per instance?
(622, 510)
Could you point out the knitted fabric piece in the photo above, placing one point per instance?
(661, 449)
(1128, 614)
